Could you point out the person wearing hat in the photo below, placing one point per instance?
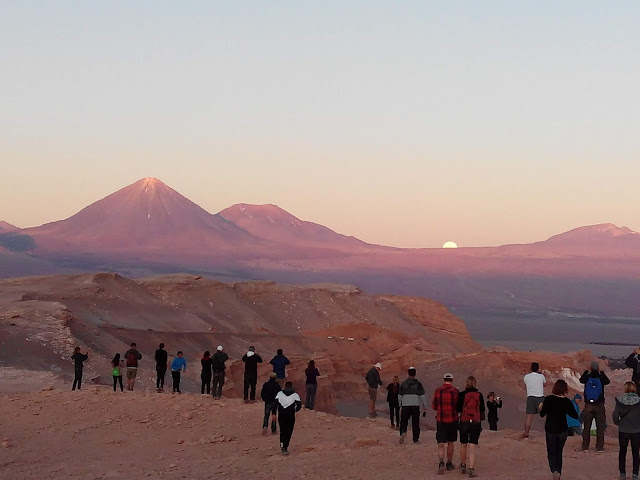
(594, 382)
(218, 367)
(411, 397)
(251, 360)
(268, 394)
(575, 427)
(445, 403)
(373, 382)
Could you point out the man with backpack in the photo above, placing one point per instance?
(132, 356)
(410, 398)
(218, 367)
(594, 382)
(445, 403)
(471, 409)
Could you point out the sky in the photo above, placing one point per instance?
(404, 123)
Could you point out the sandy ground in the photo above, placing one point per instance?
(98, 434)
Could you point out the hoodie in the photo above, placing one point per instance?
(373, 378)
(411, 394)
(279, 363)
(269, 390)
(626, 414)
(251, 361)
(288, 402)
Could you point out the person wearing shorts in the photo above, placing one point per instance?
(132, 356)
(445, 403)
(373, 381)
(131, 373)
(534, 383)
(471, 408)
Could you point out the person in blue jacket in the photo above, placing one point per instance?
(178, 365)
(280, 363)
(574, 424)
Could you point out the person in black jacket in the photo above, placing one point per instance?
(633, 361)
(288, 404)
(162, 358)
(205, 375)
(556, 407)
(251, 360)
(627, 416)
(218, 367)
(78, 360)
(392, 400)
(373, 382)
(268, 394)
(494, 402)
(594, 382)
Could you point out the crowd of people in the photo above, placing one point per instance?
(458, 413)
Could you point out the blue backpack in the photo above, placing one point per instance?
(593, 390)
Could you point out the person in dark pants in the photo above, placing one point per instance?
(162, 359)
(392, 400)
(270, 389)
(205, 376)
(251, 360)
(116, 372)
(78, 360)
(594, 382)
(472, 411)
(556, 407)
(626, 415)
(288, 404)
(218, 367)
(411, 397)
(633, 362)
(177, 365)
(494, 402)
(311, 384)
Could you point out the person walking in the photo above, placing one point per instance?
(373, 382)
(268, 394)
(116, 372)
(280, 363)
(205, 375)
(411, 397)
(251, 360)
(633, 362)
(394, 406)
(311, 384)
(494, 402)
(472, 411)
(445, 403)
(162, 359)
(594, 382)
(556, 407)
(288, 404)
(78, 361)
(626, 415)
(132, 357)
(575, 426)
(534, 382)
(218, 367)
(177, 365)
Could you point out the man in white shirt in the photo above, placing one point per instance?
(534, 382)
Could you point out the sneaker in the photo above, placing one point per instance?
(463, 469)
(393, 427)
(599, 450)
(441, 468)
(284, 451)
(450, 466)
(623, 476)
(402, 437)
(416, 441)
(472, 473)
(634, 476)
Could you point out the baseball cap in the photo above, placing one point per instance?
(219, 348)
(448, 376)
(378, 366)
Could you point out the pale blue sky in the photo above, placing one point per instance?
(405, 123)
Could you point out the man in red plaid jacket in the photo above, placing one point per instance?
(445, 403)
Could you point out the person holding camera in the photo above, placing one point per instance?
(494, 402)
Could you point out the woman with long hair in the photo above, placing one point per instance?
(471, 408)
(626, 415)
(116, 372)
(311, 385)
(205, 376)
(556, 407)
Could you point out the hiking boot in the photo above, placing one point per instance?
(402, 438)
(284, 451)
(450, 466)
(441, 468)
(463, 469)
(472, 473)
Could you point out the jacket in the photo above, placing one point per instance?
(626, 414)
(493, 409)
(288, 402)
(392, 393)
(206, 367)
(633, 361)
(132, 356)
(373, 378)
(595, 374)
(574, 422)
(269, 391)
(251, 364)
(217, 361)
(161, 358)
(178, 364)
(78, 359)
(279, 363)
(411, 394)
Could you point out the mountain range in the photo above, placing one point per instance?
(148, 228)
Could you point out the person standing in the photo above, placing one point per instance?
(132, 357)
(633, 362)
(280, 363)
(205, 375)
(494, 402)
(177, 365)
(411, 397)
(162, 359)
(116, 372)
(218, 367)
(575, 426)
(268, 394)
(373, 382)
(78, 361)
(394, 406)
(556, 407)
(471, 409)
(594, 382)
(311, 384)
(288, 404)
(534, 382)
(445, 403)
(626, 415)
(251, 360)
